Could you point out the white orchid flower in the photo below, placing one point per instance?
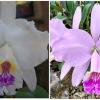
(22, 47)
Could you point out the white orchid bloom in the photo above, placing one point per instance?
(22, 47)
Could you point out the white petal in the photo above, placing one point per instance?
(18, 75)
(2, 32)
(1, 91)
(29, 77)
(18, 79)
(29, 48)
(7, 11)
(10, 90)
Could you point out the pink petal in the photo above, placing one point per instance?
(95, 21)
(75, 37)
(58, 56)
(57, 29)
(78, 73)
(87, 75)
(78, 36)
(95, 62)
(74, 47)
(77, 18)
(74, 55)
(65, 69)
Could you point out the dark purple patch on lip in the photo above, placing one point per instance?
(6, 78)
(92, 84)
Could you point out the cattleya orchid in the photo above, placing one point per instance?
(22, 47)
(77, 48)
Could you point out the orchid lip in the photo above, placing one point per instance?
(6, 78)
(92, 83)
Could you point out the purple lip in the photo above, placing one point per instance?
(92, 84)
(6, 78)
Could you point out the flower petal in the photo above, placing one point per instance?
(95, 21)
(72, 43)
(29, 77)
(18, 79)
(75, 55)
(11, 90)
(29, 48)
(89, 86)
(5, 8)
(86, 76)
(57, 29)
(1, 91)
(98, 45)
(77, 18)
(7, 54)
(64, 70)
(78, 73)
(2, 32)
(78, 36)
(75, 37)
(25, 72)
(95, 62)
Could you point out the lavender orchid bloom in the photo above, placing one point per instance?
(91, 81)
(78, 48)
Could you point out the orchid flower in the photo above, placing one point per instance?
(78, 48)
(57, 36)
(22, 47)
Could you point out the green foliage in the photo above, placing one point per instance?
(64, 10)
(60, 65)
(55, 8)
(70, 7)
(26, 93)
(85, 12)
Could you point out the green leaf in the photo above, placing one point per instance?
(60, 65)
(60, 16)
(40, 93)
(86, 2)
(85, 13)
(87, 24)
(52, 3)
(26, 93)
(70, 6)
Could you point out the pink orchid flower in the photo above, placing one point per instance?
(78, 48)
